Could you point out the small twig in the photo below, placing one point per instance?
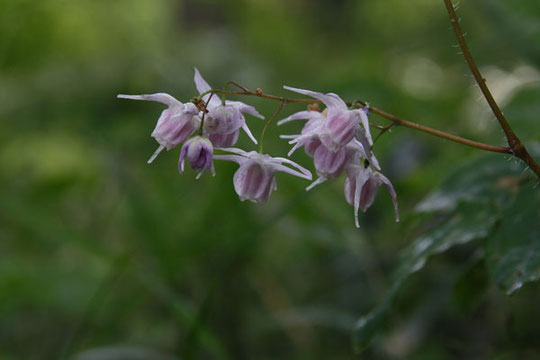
(385, 129)
(516, 146)
(201, 129)
(276, 113)
(237, 85)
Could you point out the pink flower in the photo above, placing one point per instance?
(254, 180)
(337, 128)
(175, 124)
(199, 151)
(227, 118)
(361, 187)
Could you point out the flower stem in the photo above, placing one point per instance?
(516, 146)
(395, 119)
(276, 113)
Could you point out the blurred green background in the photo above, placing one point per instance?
(105, 257)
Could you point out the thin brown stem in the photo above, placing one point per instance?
(517, 147)
(276, 113)
(442, 134)
(384, 129)
(396, 119)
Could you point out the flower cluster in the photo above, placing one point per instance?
(338, 139)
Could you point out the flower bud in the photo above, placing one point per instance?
(254, 181)
(223, 119)
(173, 128)
(175, 124)
(199, 152)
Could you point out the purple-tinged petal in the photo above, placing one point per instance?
(338, 129)
(198, 150)
(319, 181)
(384, 180)
(235, 158)
(223, 119)
(330, 100)
(301, 115)
(302, 173)
(248, 133)
(244, 108)
(157, 97)
(224, 140)
(200, 83)
(330, 164)
(253, 181)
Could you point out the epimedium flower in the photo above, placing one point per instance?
(199, 151)
(330, 165)
(224, 118)
(361, 187)
(254, 180)
(338, 127)
(175, 124)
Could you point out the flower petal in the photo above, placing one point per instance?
(245, 108)
(384, 180)
(200, 83)
(330, 100)
(301, 115)
(157, 97)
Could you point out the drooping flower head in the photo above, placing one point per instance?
(254, 180)
(339, 125)
(199, 152)
(361, 187)
(175, 124)
(224, 119)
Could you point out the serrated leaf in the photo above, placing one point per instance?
(513, 251)
(467, 223)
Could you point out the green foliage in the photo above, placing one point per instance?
(477, 201)
(513, 251)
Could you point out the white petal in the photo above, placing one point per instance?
(330, 100)
(236, 151)
(237, 159)
(156, 153)
(200, 83)
(248, 132)
(283, 168)
(288, 136)
(319, 181)
(157, 97)
(303, 170)
(384, 180)
(301, 115)
(365, 124)
(244, 108)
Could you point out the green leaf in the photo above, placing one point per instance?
(513, 251)
(467, 223)
(478, 181)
